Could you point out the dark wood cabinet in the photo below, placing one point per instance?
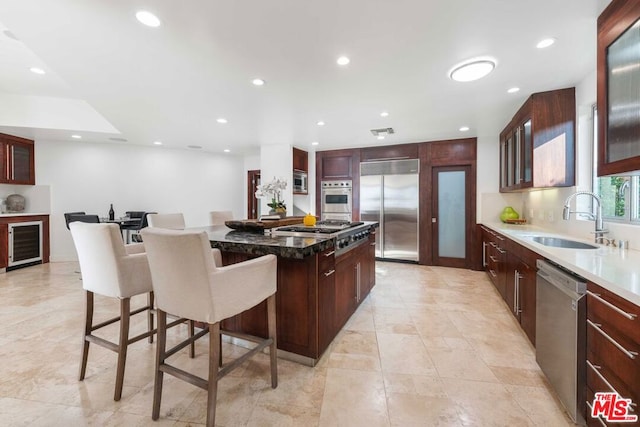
(537, 147)
(512, 269)
(17, 163)
(300, 160)
(389, 152)
(613, 346)
(618, 87)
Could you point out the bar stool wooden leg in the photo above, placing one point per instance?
(150, 300)
(160, 358)
(88, 324)
(125, 313)
(214, 355)
(273, 348)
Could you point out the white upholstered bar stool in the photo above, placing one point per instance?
(172, 221)
(187, 283)
(113, 269)
(219, 217)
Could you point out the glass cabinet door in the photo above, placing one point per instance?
(527, 147)
(511, 178)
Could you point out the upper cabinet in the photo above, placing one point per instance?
(337, 164)
(619, 88)
(537, 148)
(16, 160)
(300, 160)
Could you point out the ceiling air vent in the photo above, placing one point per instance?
(382, 131)
(118, 139)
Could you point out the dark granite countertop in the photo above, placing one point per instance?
(229, 240)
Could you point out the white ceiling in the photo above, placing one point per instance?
(171, 83)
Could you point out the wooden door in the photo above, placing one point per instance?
(253, 205)
(452, 216)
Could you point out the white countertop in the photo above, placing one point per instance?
(617, 270)
(5, 214)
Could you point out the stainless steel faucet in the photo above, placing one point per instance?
(566, 213)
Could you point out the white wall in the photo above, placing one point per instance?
(88, 177)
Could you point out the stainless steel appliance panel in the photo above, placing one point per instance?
(336, 200)
(371, 204)
(400, 217)
(389, 194)
(560, 334)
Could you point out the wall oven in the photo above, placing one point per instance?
(336, 200)
(25, 243)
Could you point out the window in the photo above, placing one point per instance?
(620, 195)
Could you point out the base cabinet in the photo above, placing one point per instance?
(613, 348)
(315, 298)
(5, 221)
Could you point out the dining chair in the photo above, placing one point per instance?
(112, 269)
(220, 217)
(138, 220)
(187, 283)
(173, 221)
(91, 219)
(68, 215)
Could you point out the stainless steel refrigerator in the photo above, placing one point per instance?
(389, 195)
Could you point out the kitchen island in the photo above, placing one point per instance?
(317, 290)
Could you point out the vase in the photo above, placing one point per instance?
(508, 213)
(278, 211)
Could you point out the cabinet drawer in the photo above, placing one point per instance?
(621, 371)
(326, 260)
(621, 317)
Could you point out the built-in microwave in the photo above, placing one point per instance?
(299, 181)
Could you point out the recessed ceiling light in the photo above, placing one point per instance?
(195, 147)
(147, 18)
(258, 82)
(315, 143)
(343, 60)
(36, 70)
(320, 123)
(472, 70)
(513, 90)
(226, 150)
(221, 120)
(384, 114)
(380, 136)
(157, 142)
(464, 128)
(76, 136)
(545, 43)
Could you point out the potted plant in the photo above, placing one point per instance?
(274, 190)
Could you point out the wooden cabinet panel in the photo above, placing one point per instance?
(17, 163)
(345, 288)
(618, 148)
(527, 296)
(337, 167)
(452, 152)
(300, 160)
(389, 152)
(537, 147)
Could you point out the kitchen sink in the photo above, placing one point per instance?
(559, 242)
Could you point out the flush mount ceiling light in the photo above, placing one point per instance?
(545, 43)
(147, 18)
(472, 70)
(343, 60)
(221, 120)
(76, 136)
(513, 90)
(315, 143)
(320, 123)
(384, 114)
(157, 142)
(258, 82)
(36, 70)
(464, 129)
(226, 150)
(381, 133)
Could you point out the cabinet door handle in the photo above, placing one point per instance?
(500, 237)
(484, 254)
(328, 254)
(618, 310)
(493, 259)
(500, 250)
(597, 327)
(329, 273)
(493, 244)
(596, 369)
(591, 411)
(493, 273)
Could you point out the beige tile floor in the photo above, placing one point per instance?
(430, 346)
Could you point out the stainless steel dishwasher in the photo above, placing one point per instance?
(561, 334)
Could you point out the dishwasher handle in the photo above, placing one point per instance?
(572, 286)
